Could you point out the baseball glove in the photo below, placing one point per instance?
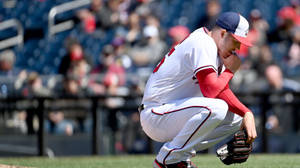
(237, 150)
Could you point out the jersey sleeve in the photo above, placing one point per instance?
(233, 102)
(211, 85)
(214, 86)
(204, 54)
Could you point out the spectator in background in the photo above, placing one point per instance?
(256, 58)
(281, 119)
(17, 123)
(80, 69)
(178, 33)
(96, 76)
(77, 114)
(106, 13)
(134, 33)
(75, 53)
(276, 80)
(291, 12)
(213, 9)
(145, 8)
(257, 34)
(88, 20)
(294, 51)
(70, 86)
(252, 69)
(124, 10)
(34, 86)
(109, 78)
(153, 20)
(287, 18)
(150, 50)
(57, 124)
(7, 60)
(13, 78)
(292, 67)
(11, 84)
(275, 83)
(134, 139)
(112, 71)
(282, 38)
(259, 60)
(120, 48)
(259, 27)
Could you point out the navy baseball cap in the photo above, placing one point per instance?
(236, 24)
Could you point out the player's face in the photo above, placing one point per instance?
(228, 45)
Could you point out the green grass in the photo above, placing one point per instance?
(145, 161)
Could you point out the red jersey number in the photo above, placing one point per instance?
(170, 53)
(163, 60)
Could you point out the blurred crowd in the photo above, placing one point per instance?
(138, 44)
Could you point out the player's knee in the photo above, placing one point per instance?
(221, 110)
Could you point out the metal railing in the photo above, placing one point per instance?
(68, 24)
(262, 100)
(15, 40)
(41, 105)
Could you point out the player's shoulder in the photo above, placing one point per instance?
(201, 38)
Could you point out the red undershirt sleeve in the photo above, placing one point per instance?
(210, 84)
(214, 86)
(233, 102)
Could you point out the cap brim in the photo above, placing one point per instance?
(242, 40)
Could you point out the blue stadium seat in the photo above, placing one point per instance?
(45, 54)
(21, 8)
(268, 13)
(282, 3)
(192, 12)
(33, 13)
(279, 51)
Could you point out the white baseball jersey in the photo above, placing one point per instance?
(176, 112)
(175, 76)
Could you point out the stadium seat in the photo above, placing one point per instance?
(34, 14)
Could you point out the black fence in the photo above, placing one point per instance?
(262, 104)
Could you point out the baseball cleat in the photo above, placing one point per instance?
(182, 164)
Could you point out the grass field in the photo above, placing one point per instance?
(145, 161)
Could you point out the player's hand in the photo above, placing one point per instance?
(232, 62)
(249, 125)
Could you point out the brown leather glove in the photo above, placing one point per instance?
(237, 150)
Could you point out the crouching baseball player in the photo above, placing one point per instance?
(187, 102)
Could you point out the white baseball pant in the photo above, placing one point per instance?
(187, 126)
